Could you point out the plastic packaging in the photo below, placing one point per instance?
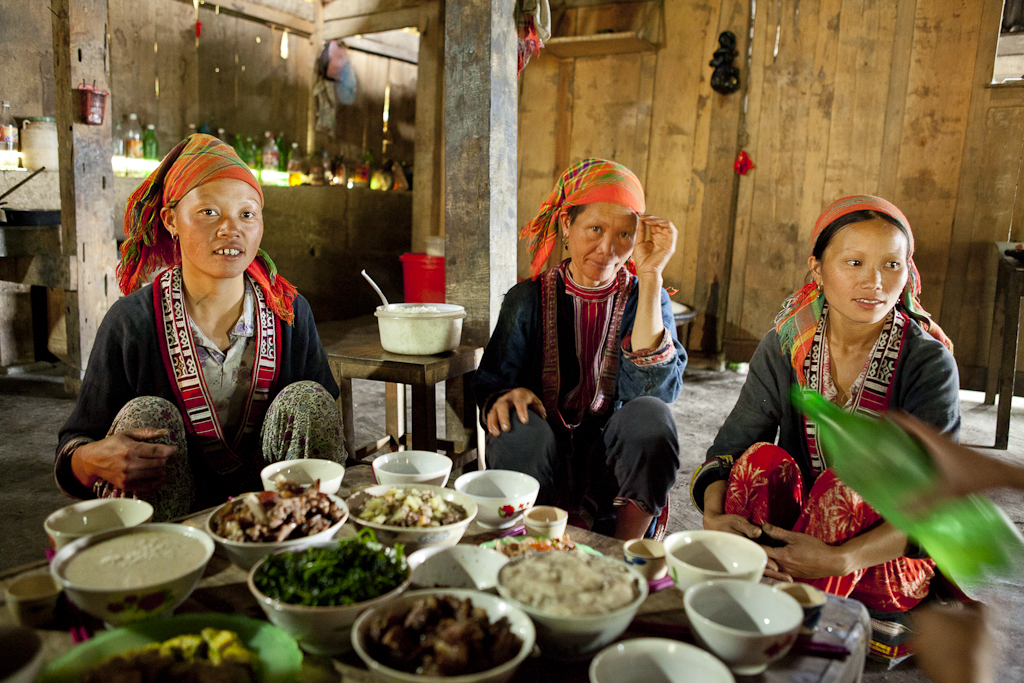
(969, 538)
(295, 162)
(8, 139)
(150, 147)
(133, 138)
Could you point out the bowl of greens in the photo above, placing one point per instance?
(315, 594)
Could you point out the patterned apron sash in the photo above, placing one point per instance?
(873, 397)
(186, 374)
(551, 373)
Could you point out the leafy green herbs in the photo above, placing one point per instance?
(358, 568)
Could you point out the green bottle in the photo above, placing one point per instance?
(969, 537)
(149, 144)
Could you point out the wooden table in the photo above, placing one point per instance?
(1002, 355)
(455, 368)
(223, 589)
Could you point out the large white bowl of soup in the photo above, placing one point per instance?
(415, 515)
(295, 522)
(746, 625)
(705, 555)
(578, 601)
(125, 575)
(72, 522)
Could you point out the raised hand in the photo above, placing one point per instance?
(655, 244)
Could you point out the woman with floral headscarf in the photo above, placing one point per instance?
(858, 335)
(590, 349)
(200, 379)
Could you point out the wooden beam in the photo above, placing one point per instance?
(428, 168)
(58, 271)
(346, 9)
(374, 47)
(576, 4)
(480, 125)
(247, 9)
(371, 23)
(80, 53)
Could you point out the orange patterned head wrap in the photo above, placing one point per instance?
(196, 160)
(588, 182)
(800, 313)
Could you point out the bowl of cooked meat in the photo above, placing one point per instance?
(253, 525)
(315, 594)
(443, 635)
(415, 515)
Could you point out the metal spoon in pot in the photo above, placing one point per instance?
(373, 284)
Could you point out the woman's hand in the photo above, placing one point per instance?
(802, 556)
(655, 244)
(126, 459)
(521, 400)
(715, 519)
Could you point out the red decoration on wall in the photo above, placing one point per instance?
(199, 28)
(743, 164)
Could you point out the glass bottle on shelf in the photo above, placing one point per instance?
(239, 146)
(222, 135)
(150, 147)
(295, 165)
(8, 139)
(250, 154)
(283, 150)
(271, 157)
(117, 140)
(133, 138)
(361, 173)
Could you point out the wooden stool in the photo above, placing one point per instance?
(455, 368)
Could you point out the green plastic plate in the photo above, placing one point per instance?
(280, 656)
(519, 539)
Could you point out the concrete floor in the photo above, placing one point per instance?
(32, 410)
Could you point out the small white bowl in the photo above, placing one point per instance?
(118, 606)
(647, 556)
(414, 538)
(746, 625)
(420, 329)
(412, 467)
(578, 637)
(703, 555)
(501, 495)
(244, 554)
(496, 608)
(546, 521)
(23, 654)
(305, 471)
(319, 630)
(642, 660)
(32, 598)
(461, 566)
(90, 516)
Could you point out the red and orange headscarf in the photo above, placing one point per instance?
(196, 160)
(588, 182)
(800, 313)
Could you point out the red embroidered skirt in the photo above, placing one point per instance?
(766, 486)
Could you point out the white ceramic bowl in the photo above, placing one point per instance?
(643, 660)
(90, 516)
(305, 471)
(319, 630)
(746, 625)
(22, 658)
(412, 467)
(501, 495)
(578, 637)
(414, 538)
(245, 554)
(497, 608)
(409, 329)
(703, 555)
(118, 606)
(461, 566)
(647, 556)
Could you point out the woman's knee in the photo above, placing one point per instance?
(305, 393)
(643, 427)
(149, 411)
(530, 444)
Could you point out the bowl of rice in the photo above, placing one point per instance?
(420, 329)
(415, 515)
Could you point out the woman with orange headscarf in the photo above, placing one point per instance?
(858, 335)
(200, 379)
(590, 349)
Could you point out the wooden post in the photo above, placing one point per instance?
(80, 54)
(480, 122)
(427, 189)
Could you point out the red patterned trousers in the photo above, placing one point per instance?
(766, 486)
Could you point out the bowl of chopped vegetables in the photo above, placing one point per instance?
(415, 515)
(315, 594)
(254, 525)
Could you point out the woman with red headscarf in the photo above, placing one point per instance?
(858, 335)
(200, 379)
(589, 349)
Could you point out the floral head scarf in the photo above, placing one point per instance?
(588, 182)
(800, 313)
(196, 160)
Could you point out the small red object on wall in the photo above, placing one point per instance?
(199, 28)
(743, 164)
(94, 103)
